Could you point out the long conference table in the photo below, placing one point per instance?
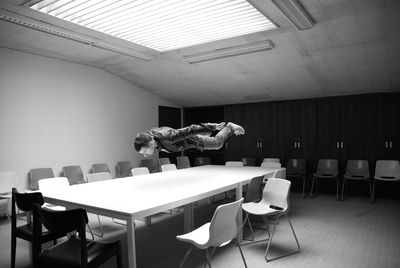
(141, 196)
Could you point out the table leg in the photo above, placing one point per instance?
(239, 194)
(188, 218)
(131, 243)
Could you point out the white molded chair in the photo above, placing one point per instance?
(168, 167)
(386, 171)
(52, 184)
(271, 160)
(274, 203)
(234, 163)
(223, 228)
(98, 176)
(140, 171)
(182, 162)
(8, 180)
(271, 165)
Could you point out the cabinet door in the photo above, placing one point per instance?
(268, 119)
(357, 113)
(233, 146)
(394, 143)
(384, 127)
(329, 128)
(251, 141)
(308, 139)
(289, 129)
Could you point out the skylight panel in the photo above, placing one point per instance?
(162, 25)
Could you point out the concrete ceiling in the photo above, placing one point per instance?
(353, 48)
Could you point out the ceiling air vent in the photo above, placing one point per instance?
(229, 52)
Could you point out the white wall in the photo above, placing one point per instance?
(55, 113)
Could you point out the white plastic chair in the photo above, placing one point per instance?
(386, 171)
(271, 160)
(98, 176)
(168, 167)
(271, 165)
(51, 184)
(8, 180)
(140, 171)
(275, 203)
(234, 163)
(223, 228)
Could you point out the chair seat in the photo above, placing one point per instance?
(325, 176)
(260, 209)
(68, 253)
(198, 237)
(26, 232)
(355, 177)
(384, 178)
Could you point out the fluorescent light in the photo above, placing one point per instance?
(162, 25)
(230, 52)
(295, 13)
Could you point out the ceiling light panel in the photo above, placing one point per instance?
(162, 25)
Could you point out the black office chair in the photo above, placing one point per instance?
(75, 251)
(296, 169)
(254, 190)
(37, 174)
(357, 170)
(182, 162)
(25, 201)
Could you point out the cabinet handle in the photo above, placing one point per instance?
(390, 144)
(260, 144)
(298, 145)
(337, 145)
(295, 144)
(386, 144)
(341, 144)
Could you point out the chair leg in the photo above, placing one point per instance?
(304, 186)
(241, 253)
(119, 256)
(312, 187)
(287, 254)
(373, 191)
(337, 189)
(208, 261)
(13, 249)
(185, 257)
(252, 241)
(370, 191)
(343, 186)
(101, 227)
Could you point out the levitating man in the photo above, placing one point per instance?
(192, 137)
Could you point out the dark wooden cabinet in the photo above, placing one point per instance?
(234, 145)
(268, 118)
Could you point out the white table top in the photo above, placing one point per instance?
(145, 195)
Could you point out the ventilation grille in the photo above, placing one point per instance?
(229, 52)
(81, 40)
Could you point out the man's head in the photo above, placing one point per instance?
(144, 144)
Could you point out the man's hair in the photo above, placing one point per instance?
(142, 139)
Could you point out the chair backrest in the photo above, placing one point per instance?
(37, 174)
(234, 163)
(182, 162)
(270, 165)
(248, 161)
(64, 222)
(387, 169)
(168, 167)
(52, 184)
(98, 176)
(296, 167)
(328, 167)
(201, 161)
(25, 201)
(163, 161)
(74, 174)
(150, 164)
(276, 192)
(225, 224)
(280, 173)
(359, 168)
(253, 192)
(8, 180)
(124, 169)
(140, 171)
(100, 167)
(271, 160)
